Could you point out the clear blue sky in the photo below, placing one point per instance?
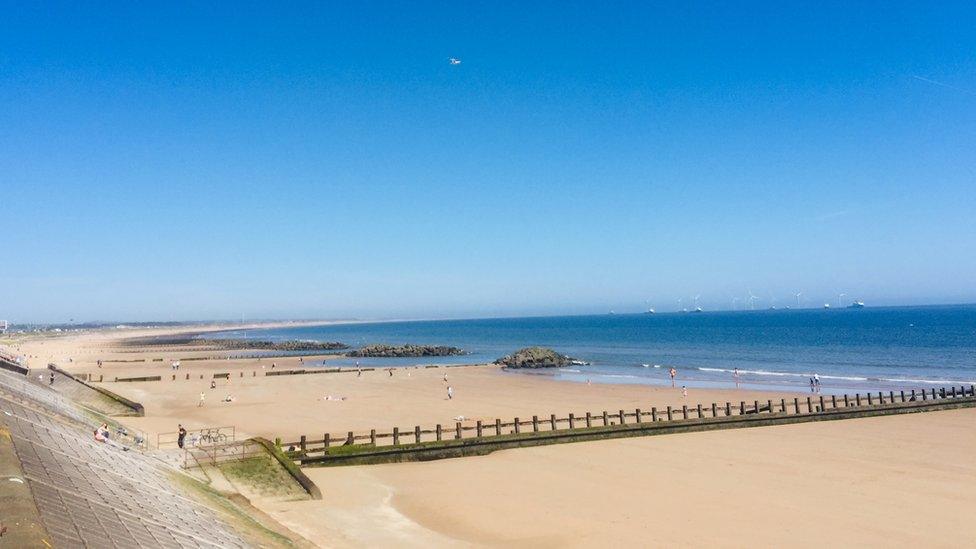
(328, 161)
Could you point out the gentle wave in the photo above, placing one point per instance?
(843, 378)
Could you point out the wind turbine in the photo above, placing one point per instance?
(752, 301)
(840, 300)
(797, 296)
(734, 300)
(697, 308)
(680, 301)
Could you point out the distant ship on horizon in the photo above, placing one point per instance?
(856, 305)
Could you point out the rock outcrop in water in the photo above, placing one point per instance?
(396, 351)
(535, 357)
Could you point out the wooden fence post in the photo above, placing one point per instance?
(438, 431)
(880, 397)
(933, 393)
(903, 396)
(372, 437)
(714, 410)
(857, 399)
(325, 440)
(535, 424)
(416, 433)
(302, 444)
(396, 436)
(769, 406)
(833, 401)
(605, 420)
(653, 414)
(796, 405)
(498, 426)
(953, 391)
(809, 405)
(637, 413)
(552, 421)
(925, 395)
(822, 403)
(699, 411)
(350, 438)
(728, 409)
(457, 428)
(670, 417)
(870, 400)
(782, 405)
(621, 412)
(518, 428)
(589, 419)
(846, 401)
(684, 411)
(572, 421)
(742, 407)
(477, 427)
(891, 396)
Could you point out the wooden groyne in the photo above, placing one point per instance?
(460, 439)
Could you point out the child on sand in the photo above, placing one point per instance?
(673, 373)
(450, 392)
(684, 391)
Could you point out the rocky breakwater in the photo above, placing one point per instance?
(536, 357)
(398, 351)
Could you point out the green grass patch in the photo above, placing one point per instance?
(264, 475)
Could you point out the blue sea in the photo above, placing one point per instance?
(850, 349)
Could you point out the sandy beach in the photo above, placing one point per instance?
(889, 480)
(291, 406)
(867, 482)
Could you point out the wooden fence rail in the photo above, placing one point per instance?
(308, 447)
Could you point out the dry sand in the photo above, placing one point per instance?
(887, 481)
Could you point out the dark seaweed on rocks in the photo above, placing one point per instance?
(395, 351)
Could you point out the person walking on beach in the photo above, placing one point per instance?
(202, 397)
(673, 373)
(445, 377)
(181, 436)
(735, 376)
(811, 385)
(684, 391)
(816, 381)
(450, 392)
